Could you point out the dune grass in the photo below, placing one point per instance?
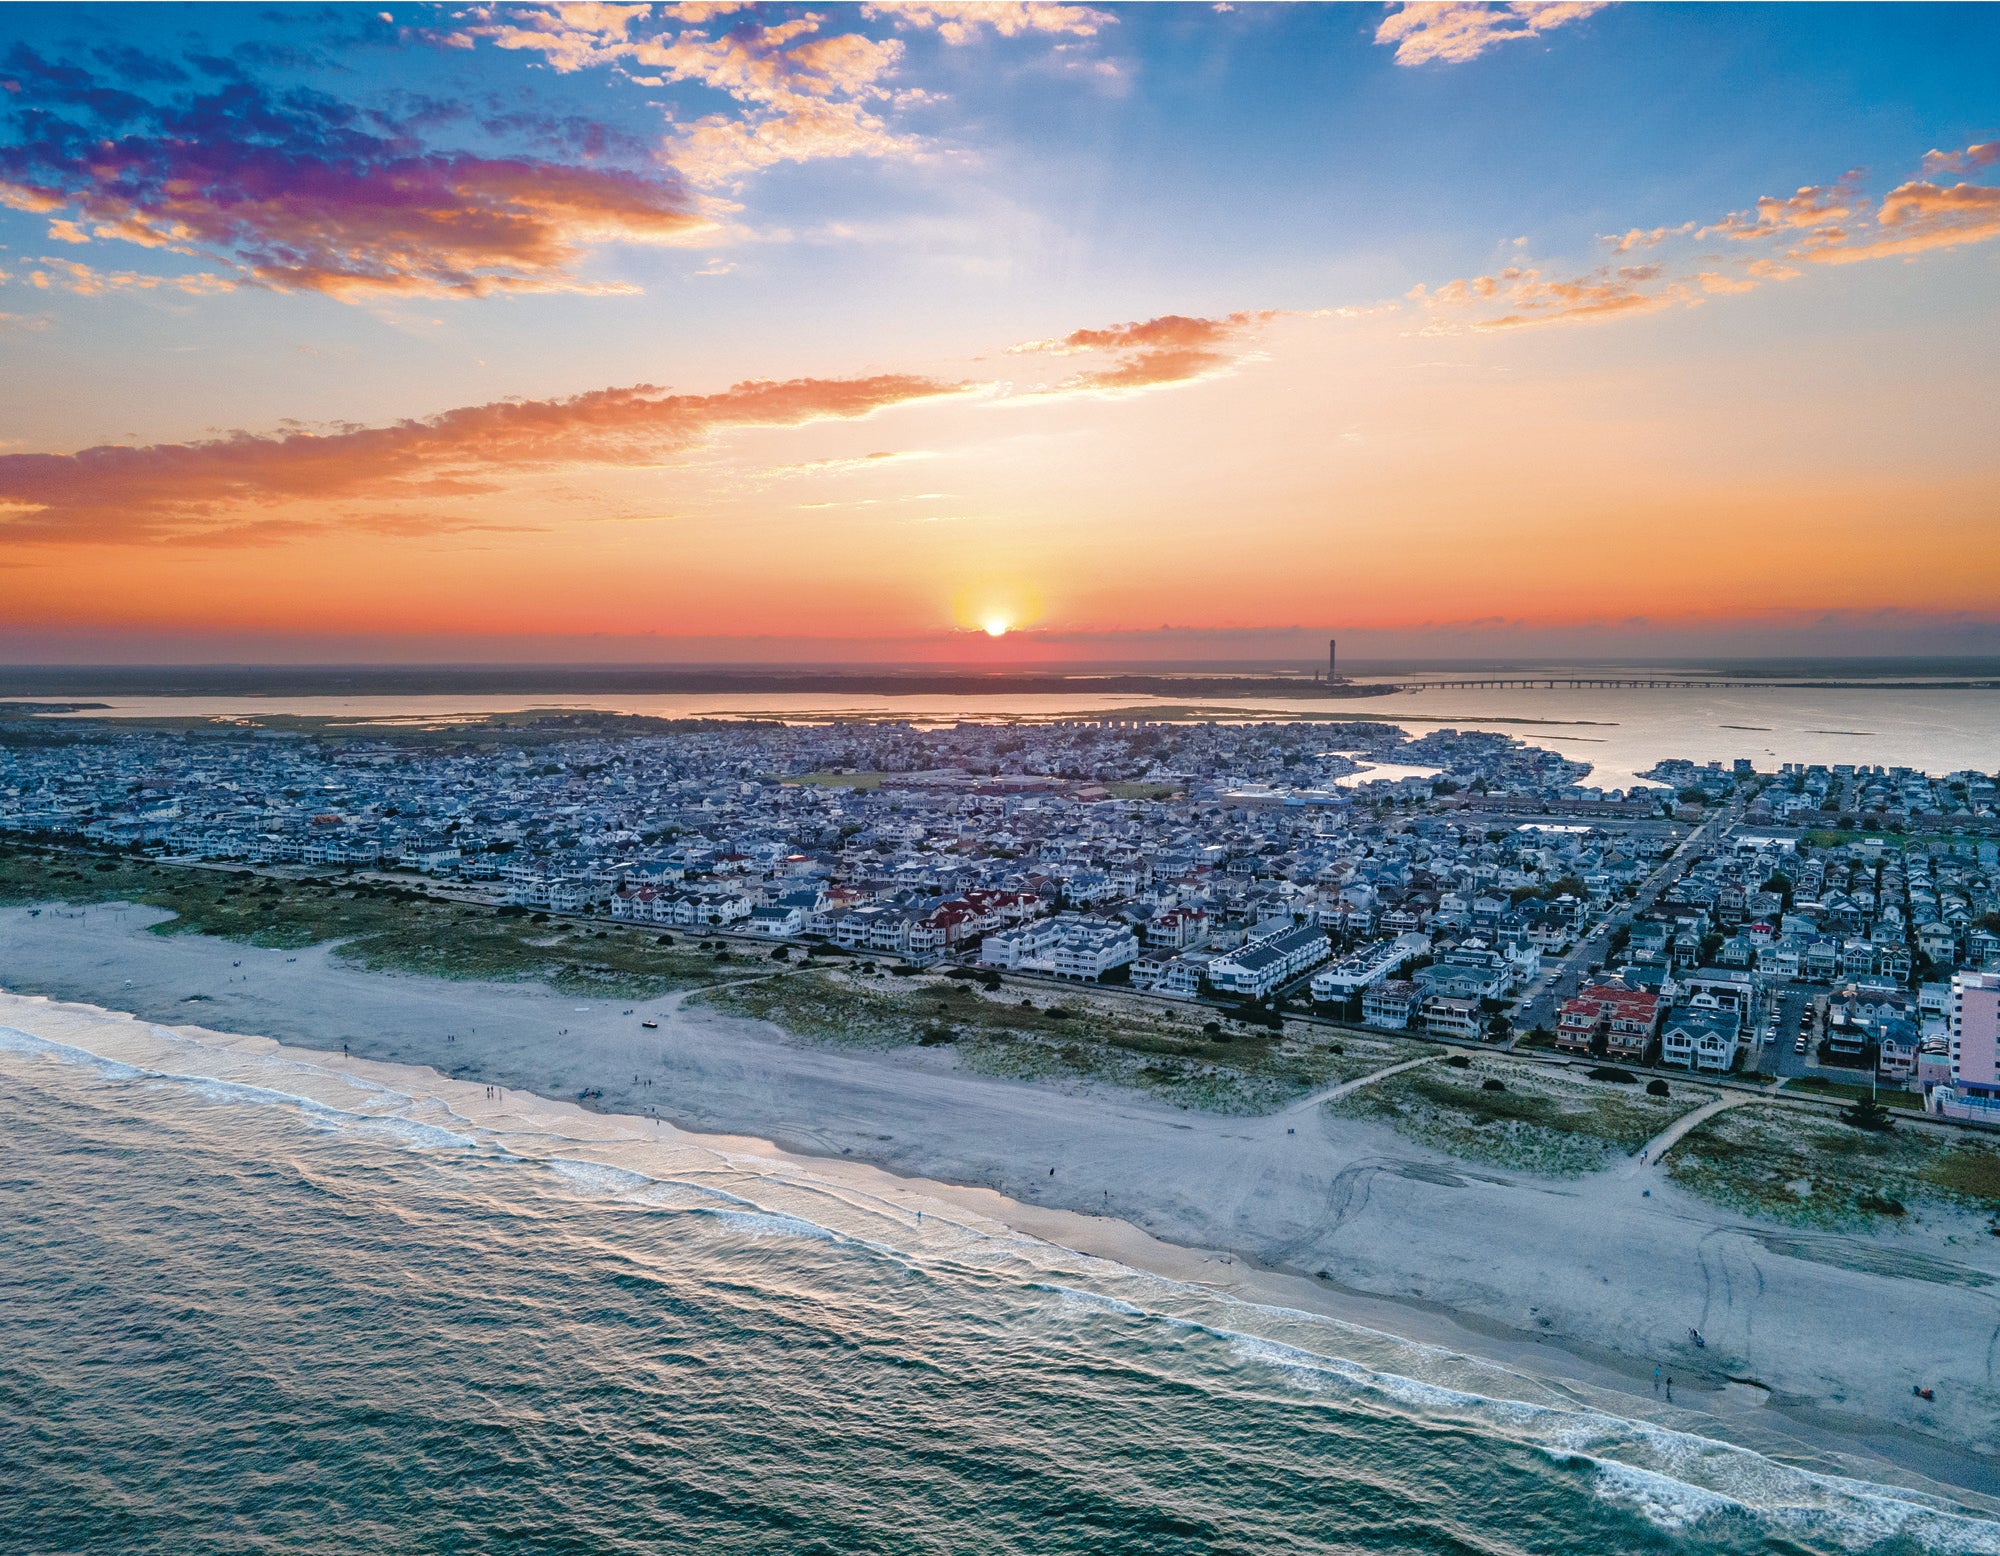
(1810, 1168)
(1549, 1121)
(1036, 1033)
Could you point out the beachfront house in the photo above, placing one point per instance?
(1389, 1004)
(1701, 1039)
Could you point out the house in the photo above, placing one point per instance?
(1701, 1038)
(1389, 1004)
(1623, 1018)
(1365, 967)
(1066, 946)
(1445, 1017)
(1269, 962)
(1089, 948)
(1176, 928)
(776, 920)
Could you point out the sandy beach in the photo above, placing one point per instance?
(1814, 1339)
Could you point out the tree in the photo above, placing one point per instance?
(1870, 1115)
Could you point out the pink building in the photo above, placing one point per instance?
(1975, 1030)
(1974, 1095)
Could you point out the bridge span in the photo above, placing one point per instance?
(1551, 683)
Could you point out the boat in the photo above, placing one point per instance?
(649, 1025)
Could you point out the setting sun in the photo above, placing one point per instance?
(995, 626)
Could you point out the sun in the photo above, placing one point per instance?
(996, 626)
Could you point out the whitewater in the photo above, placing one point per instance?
(264, 1299)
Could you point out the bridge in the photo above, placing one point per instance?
(1551, 683)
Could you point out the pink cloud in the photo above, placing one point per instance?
(1914, 219)
(1519, 296)
(1454, 31)
(295, 192)
(960, 21)
(1173, 348)
(224, 489)
(1970, 160)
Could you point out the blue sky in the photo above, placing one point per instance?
(676, 214)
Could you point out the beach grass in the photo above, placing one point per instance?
(1058, 1036)
(382, 927)
(1543, 1120)
(1812, 1169)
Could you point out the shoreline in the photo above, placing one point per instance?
(731, 1087)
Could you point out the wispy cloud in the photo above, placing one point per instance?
(234, 489)
(807, 95)
(1173, 348)
(1455, 31)
(1835, 223)
(1518, 296)
(1915, 218)
(1814, 207)
(962, 21)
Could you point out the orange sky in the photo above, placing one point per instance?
(1778, 407)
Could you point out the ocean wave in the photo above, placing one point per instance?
(13, 1040)
(1094, 1299)
(1675, 1480)
(1685, 1477)
(768, 1223)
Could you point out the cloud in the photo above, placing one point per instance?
(1967, 161)
(1644, 238)
(1170, 349)
(1915, 218)
(1813, 207)
(1520, 296)
(960, 21)
(808, 96)
(301, 193)
(67, 275)
(226, 489)
(1455, 31)
(1831, 224)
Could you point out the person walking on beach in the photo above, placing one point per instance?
(1670, 1391)
(1656, 1380)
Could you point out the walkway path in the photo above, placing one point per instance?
(1335, 1093)
(1663, 1142)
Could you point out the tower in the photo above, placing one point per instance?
(1332, 673)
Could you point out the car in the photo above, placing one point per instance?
(1799, 1047)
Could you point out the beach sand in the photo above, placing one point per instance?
(1590, 1280)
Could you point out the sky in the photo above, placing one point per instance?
(997, 333)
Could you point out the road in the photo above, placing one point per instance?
(1538, 1004)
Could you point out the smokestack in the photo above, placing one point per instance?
(1332, 671)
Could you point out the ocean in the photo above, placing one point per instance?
(251, 1301)
(1621, 733)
